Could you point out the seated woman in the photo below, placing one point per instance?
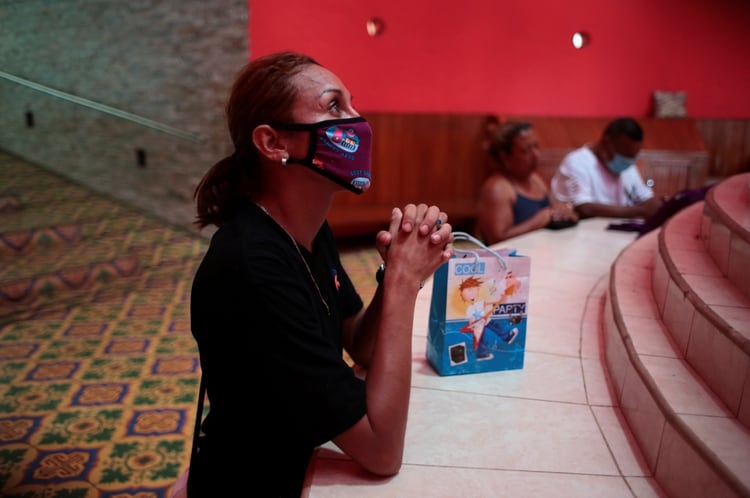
(514, 199)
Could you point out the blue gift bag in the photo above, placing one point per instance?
(478, 311)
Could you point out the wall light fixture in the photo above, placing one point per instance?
(375, 26)
(581, 39)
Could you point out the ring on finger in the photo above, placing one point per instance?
(440, 221)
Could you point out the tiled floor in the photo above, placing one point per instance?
(548, 429)
(98, 371)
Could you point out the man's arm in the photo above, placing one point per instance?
(643, 210)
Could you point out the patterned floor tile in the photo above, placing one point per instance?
(98, 384)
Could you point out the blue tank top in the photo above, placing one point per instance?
(525, 208)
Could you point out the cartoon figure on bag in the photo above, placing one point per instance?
(479, 311)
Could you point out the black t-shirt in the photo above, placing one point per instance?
(270, 346)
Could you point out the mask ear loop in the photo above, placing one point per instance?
(312, 130)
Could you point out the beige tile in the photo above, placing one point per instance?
(684, 235)
(636, 299)
(452, 482)
(564, 306)
(718, 244)
(634, 279)
(640, 254)
(640, 304)
(728, 439)
(705, 231)
(732, 197)
(645, 487)
(599, 391)
(621, 441)
(591, 323)
(571, 282)
(552, 334)
(645, 418)
(678, 315)
(543, 376)
(633, 287)
(694, 262)
(596, 251)
(617, 358)
(491, 432)
(739, 264)
(744, 411)
(715, 290)
(682, 472)
(659, 282)
(685, 239)
(681, 387)
(737, 317)
(719, 361)
(650, 336)
(685, 221)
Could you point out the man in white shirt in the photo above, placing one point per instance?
(603, 180)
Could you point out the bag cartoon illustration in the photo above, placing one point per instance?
(478, 311)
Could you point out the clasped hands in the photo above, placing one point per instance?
(562, 211)
(419, 237)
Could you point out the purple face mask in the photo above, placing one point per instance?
(340, 150)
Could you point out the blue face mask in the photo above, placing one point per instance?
(619, 163)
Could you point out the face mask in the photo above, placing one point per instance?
(340, 150)
(619, 163)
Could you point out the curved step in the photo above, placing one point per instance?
(692, 443)
(726, 229)
(705, 313)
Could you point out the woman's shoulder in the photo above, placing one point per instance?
(539, 183)
(251, 233)
(496, 181)
(495, 189)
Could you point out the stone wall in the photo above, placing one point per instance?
(170, 62)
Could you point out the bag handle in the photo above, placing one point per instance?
(465, 252)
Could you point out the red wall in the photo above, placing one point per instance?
(515, 57)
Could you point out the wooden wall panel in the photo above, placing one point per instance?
(668, 172)
(728, 143)
(440, 159)
(430, 158)
(572, 132)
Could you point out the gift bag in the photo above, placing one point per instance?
(478, 311)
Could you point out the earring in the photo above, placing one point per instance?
(283, 160)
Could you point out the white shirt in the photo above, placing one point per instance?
(581, 179)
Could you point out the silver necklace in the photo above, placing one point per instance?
(301, 256)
